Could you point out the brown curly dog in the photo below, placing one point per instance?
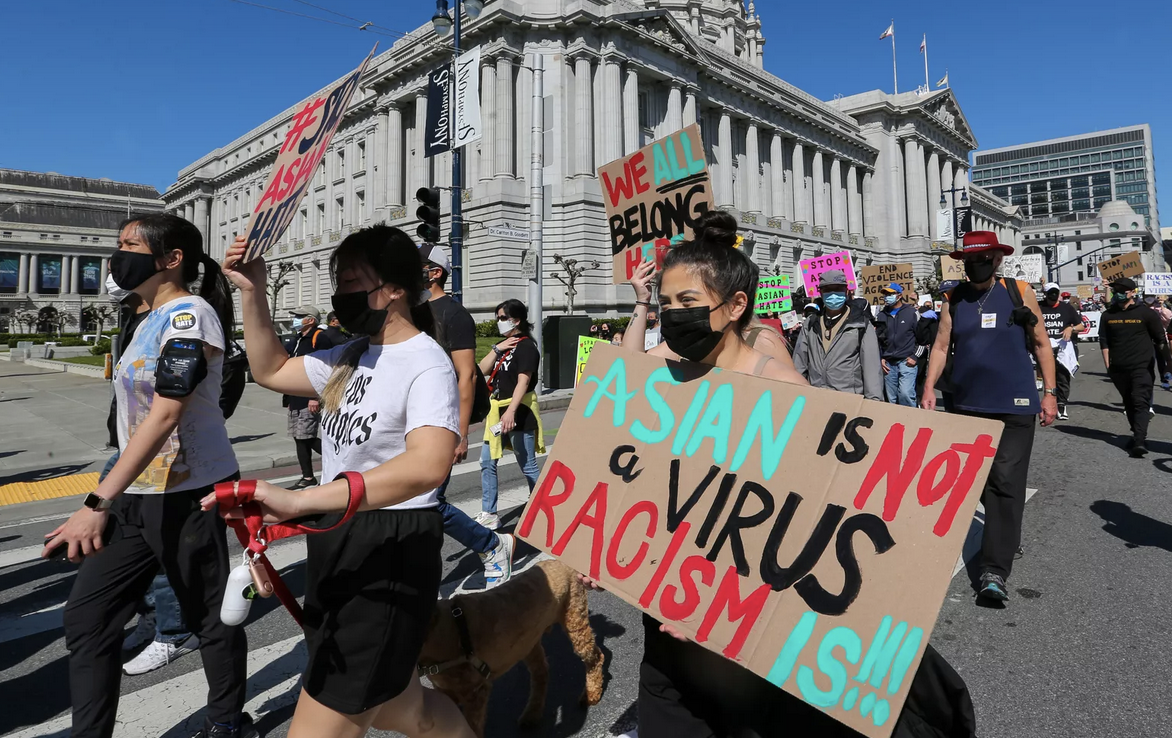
(505, 626)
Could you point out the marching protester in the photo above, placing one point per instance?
(1131, 336)
(305, 412)
(1163, 370)
(838, 349)
(991, 327)
(455, 331)
(1063, 323)
(173, 447)
(899, 346)
(926, 329)
(334, 330)
(392, 414)
(513, 421)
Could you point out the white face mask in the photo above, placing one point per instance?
(504, 326)
(116, 293)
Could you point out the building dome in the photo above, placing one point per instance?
(1116, 210)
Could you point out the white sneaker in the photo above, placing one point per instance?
(158, 654)
(1152, 410)
(498, 563)
(144, 632)
(489, 520)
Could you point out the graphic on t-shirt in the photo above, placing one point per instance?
(183, 321)
(347, 427)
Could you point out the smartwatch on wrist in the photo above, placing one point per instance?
(93, 502)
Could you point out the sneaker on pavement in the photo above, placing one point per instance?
(1152, 410)
(245, 729)
(1062, 413)
(144, 632)
(158, 654)
(993, 587)
(498, 563)
(305, 483)
(489, 520)
(1137, 451)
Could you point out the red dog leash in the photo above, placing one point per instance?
(255, 536)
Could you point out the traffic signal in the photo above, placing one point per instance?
(429, 213)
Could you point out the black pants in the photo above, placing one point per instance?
(305, 447)
(1005, 491)
(1135, 387)
(1063, 381)
(191, 546)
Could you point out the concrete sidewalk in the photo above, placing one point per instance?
(53, 424)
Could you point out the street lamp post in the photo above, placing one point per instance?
(964, 200)
(442, 24)
(1052, 255)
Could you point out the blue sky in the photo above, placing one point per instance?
(136, 89)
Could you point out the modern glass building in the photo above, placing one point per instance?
(1065, 180)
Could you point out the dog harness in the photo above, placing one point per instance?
(469, 656)
(255, 536)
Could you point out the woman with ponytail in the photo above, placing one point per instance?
(145, 514)
(390, 412)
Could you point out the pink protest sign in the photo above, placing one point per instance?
(812, 268)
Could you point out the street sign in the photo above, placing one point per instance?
(529, 264)
(508, 233)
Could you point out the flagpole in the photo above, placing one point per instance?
(894, 71)
(927, 82)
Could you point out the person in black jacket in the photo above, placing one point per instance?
(304, 413)
(926, 329)
(334, 330)
(899, 346)
(1130, 334)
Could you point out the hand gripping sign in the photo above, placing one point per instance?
(305, 144)
(809, 535)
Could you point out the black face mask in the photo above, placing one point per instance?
(355, 314)
(131, 268)
(687, 332)
(979, 271)
(1052, 298)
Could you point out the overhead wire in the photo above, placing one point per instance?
(364, 26)
(350, 17)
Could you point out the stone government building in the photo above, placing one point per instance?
(802, 176)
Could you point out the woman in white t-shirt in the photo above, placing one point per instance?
(391, 412)
(173, 448)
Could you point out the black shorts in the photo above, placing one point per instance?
(371, 588)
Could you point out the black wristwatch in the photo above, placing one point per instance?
(94, 502)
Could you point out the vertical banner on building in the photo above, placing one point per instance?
(437, 136)
(468, 127)
(91, 271)
(9, 272)
(305, 144)
(962, 222)
(50, 275)
(944, 224)
(727, 506)
(653, 195)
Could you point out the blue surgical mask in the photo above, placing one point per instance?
(891, 299)
(834, 300)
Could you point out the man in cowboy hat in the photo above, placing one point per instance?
(991, 326)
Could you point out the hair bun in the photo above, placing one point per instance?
(716, 227)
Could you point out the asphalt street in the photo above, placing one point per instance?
(1080, 649)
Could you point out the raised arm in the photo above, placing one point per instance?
(635, 337)
(268, 361)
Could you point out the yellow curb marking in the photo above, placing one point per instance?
(73, 484)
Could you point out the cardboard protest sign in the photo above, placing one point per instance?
(585, 344)
(1157, 283)
(652, 195)
(1085, 291)
(809, 535)
(951, 269)
(304, 146)
(811, 268)
(1025, 267)
(1125, 265)
(874, 278)
(774, 294)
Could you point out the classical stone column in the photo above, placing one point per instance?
(421, 164)
(63, 285)
(189, 212)
(933, 193)
(837, 196)
(612, 110)
(913, 159)
(800, 190)
(724, 192)
(690, 106)
(961, 178)
(777, 176)
(74, 274)
(631, 111)
(821, 206)
(201, 219)
(675, 108)
(868, 225)
(394, 158)
(488, 113)
(34, 274)
(584, 116)
(22, 276)
(103, 274)
(376, 159)
(854, 206)
(752, 175)
(505, 135)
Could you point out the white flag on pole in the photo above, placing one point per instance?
(467, 118)
(943, 80)
(889, 32)
(924, 44)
